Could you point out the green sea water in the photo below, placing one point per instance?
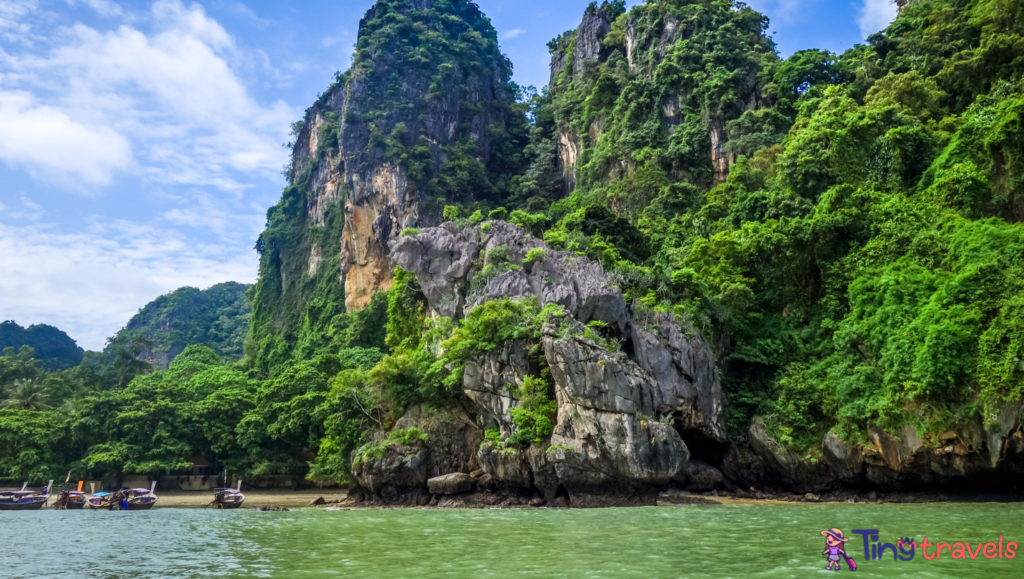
(756, 540)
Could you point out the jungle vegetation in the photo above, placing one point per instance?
(862, 264)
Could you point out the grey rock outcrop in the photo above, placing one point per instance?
(444, 261)
(452, 437)
(488, 381)
(398, 477)
(898, 460)
(790, 470)
(558, 49)
(743, 466)
(595, 26)
(451, 484)
(699, 476)
(604, 436)
(683, 370)
(615, 430)
(847, 459)
(401, 474)
(901, 459)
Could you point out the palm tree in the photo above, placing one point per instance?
(27, 395)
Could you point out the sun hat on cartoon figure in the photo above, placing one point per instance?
(835, 534)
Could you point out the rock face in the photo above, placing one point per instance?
(339, 148)
(683, 371)
(616, 436)
(967, 457)
(700, 476)
(606, 436)
(451, 484)
(401, 475)
(647, 44)
(398, 477)
(785, 466)
(595, 26)
(623, 421)
(443, 260)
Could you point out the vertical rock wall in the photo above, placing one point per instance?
(435, 110)
(650, 35)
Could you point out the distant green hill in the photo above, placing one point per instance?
(54, 349)
(217, 317)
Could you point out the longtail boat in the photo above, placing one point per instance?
(228, 498)
(99, 501)
(24, 500)
(142, 499)
(68, 499)
(124, 500)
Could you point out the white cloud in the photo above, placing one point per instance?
(510, 34)
(105, 8)
(170, 98)
(30, 211)
(13, 14)
(876, 15)
(90, 284)
(199, 210)
(159, 108)
(52, 145)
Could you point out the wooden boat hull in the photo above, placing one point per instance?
(73, 506)
(230, 505)
(140, 506)
(33, 506)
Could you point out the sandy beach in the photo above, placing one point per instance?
(280, 498)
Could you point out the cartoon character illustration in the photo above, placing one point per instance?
(834, 550)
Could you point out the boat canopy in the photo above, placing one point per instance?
(101, 495)
(140, 491)
(229, 491)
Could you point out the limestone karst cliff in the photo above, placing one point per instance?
(783, 272)
(619, 423)
(423, 118)
(681, 89)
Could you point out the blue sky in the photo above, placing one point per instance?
(140, 142)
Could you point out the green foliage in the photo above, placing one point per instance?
(487, 327)
(846, 269)
(858, 266)
(407, 308)
(533, 416)
(26, 395)
(53, 348)
(446, 48)
(217, 317)
(160, 421)
(644, 122)
(535, 254)
(410, 232)
(534, 223)
(33, 444)
(395, 438)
